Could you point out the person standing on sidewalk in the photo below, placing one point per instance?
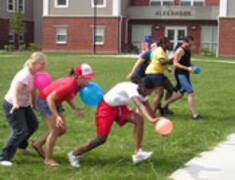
(17, 108)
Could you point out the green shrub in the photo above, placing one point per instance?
(5, 47)
(11, 47)
(205, 51)
(32, 47)
(22, 47)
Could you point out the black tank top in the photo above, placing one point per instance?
(185, 61)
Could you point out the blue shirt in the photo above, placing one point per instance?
(140, 72)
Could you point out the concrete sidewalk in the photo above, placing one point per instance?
(218, 164)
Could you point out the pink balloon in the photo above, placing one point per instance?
(41, 80)
(164, 126)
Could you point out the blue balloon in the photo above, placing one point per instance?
(91, 94)
(196, 69)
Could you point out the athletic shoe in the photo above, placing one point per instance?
(162, 110)
(199, 117)
(141, 156)
(74, 160)
(6, 163)
(167, 111)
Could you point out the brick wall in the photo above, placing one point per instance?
(157, 34)
(80, 34)
(212, 2)
(139, 3)
(226, 37)
(4, 24)
(5, 29)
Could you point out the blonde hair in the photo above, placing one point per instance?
(35, 57)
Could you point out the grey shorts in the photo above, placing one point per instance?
(44, 108)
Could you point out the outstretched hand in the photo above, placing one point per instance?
(155, 120)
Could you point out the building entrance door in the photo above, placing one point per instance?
(176, 35)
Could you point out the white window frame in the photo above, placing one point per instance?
(175, 41)
(12, 34)
(62, 34)
(13, 4)
(192, 2)
(21, 40)
(162, 2)
(99, 34)
(23, 6)
(62, 6)
(209, 43)
(98, 6)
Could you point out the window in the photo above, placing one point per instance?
(209, 38)
(161, 2)
(61, 3)
(61, 35)
(198, 2)
(11, 5)
(192, 2)
(21, 5)
(11, 37)
(21, 38)
(99, 3)
(99, 38)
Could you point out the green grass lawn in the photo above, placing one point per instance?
(214, 95)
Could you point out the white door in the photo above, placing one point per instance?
(138, 34)
(176, 35)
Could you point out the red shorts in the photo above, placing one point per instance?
(106, 115)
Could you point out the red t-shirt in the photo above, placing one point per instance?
(65, 89)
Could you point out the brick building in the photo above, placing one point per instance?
(68, 25)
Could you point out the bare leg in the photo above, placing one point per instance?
(37, 145)
(93, 143)
(157, 98)
(169, 89)
(54, 132)
(138, 121)
(192, 104)
(172, 99)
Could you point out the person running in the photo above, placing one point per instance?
(50, 108)
(155, 71)
(113, 107)
(138, 70)
(182, 62)
(17, 108)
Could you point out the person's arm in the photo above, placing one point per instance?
(149, 109)
(178, 55)
(144, 110)
(19, 86)
(165, 61)
(51, 101)
(135, 67)
(75, 108)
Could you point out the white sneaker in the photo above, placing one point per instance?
(141, 156)
(6, 163)
(74, 160)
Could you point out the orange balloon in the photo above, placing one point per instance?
(164, 126)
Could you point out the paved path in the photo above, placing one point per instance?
(218, 164)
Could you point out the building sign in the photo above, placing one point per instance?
(173, 13)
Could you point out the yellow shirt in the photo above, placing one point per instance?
(155, 66)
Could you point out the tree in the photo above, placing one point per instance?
(17, 26)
